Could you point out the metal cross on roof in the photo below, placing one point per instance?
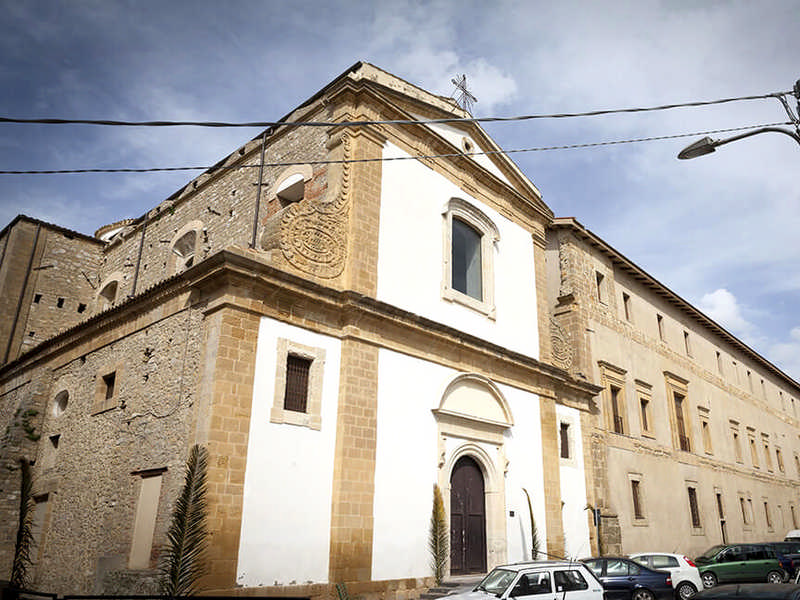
(464, 97)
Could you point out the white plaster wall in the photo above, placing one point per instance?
(523, 447)
(454, 136)
(284, 540)
(573, 488)
(410, 258)
(405, 463)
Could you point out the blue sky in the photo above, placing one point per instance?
(719, 230)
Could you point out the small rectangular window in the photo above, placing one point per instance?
(660, 322)
(616, 413)
(638, 513)
(744, 511)
(706, 429)
(109, 381)
(296, 395)
(693, 508)
(687, 344)
(719, 363)
(37, 298)
(737, 447)
(564, 438)
(60, 303)
(644, 405)
(626, 306)
(81, 307)
(767, 515)
(601, 292)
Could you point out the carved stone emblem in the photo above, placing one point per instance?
(562, 349)
(313, 233)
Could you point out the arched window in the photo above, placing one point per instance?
(60, 403)
(185, 247)
(469, 245)
(290, 186)
(108, 295)
(184, 250)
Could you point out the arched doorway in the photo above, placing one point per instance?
(467, 518)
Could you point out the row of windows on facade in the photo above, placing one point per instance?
(746, 507)
(470, 238)
(681, 434)
(721, 369)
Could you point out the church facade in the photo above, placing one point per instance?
(362, 323)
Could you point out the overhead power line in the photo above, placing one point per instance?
(382, 159)
(263, 124)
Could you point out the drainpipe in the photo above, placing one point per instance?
(139, 257)
(258, 191)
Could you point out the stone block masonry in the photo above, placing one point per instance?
(354, 464)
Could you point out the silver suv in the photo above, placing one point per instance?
(540, 580)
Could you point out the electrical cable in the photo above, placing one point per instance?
(383, 159)
(262, 124)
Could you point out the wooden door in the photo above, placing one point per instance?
(467, 518)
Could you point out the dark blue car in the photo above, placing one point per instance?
(624, 579)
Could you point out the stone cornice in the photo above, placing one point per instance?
(242, 278)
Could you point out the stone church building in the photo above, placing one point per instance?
(345, 316)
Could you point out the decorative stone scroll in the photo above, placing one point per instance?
(562, 349)
(313, 233)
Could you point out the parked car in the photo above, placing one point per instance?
(625, 579)
(733, 563)
(793, 535)
(751, 591)
(789, 555)
(685, 574)
(539, 579)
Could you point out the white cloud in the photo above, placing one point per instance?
(723, 307)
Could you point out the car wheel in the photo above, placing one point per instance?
(774, 577)
(685, 590)
(642, 595)
(709, 579)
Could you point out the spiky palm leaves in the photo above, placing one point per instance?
(25, 542)
(184, 563)
(438, 536)
(535, 543)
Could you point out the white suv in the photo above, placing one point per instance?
(539, 580)
(685, 575)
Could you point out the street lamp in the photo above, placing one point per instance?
(708, 145)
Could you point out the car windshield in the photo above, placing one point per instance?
(497, 581)
(710, 553)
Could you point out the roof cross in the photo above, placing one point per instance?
(465, 99)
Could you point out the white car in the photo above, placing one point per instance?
(685, 575)
(537, 580)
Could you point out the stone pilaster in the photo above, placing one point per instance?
(552, 477)
(232, 339)
(354, 464)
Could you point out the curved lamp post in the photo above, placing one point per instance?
(708, 145)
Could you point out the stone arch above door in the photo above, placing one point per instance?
(473, 418)
(473, 397)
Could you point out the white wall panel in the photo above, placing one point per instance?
(285, 533)
(410, 257)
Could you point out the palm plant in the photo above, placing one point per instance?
(184, 560)
(535, 543)
(438, 536)
(23, 547)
